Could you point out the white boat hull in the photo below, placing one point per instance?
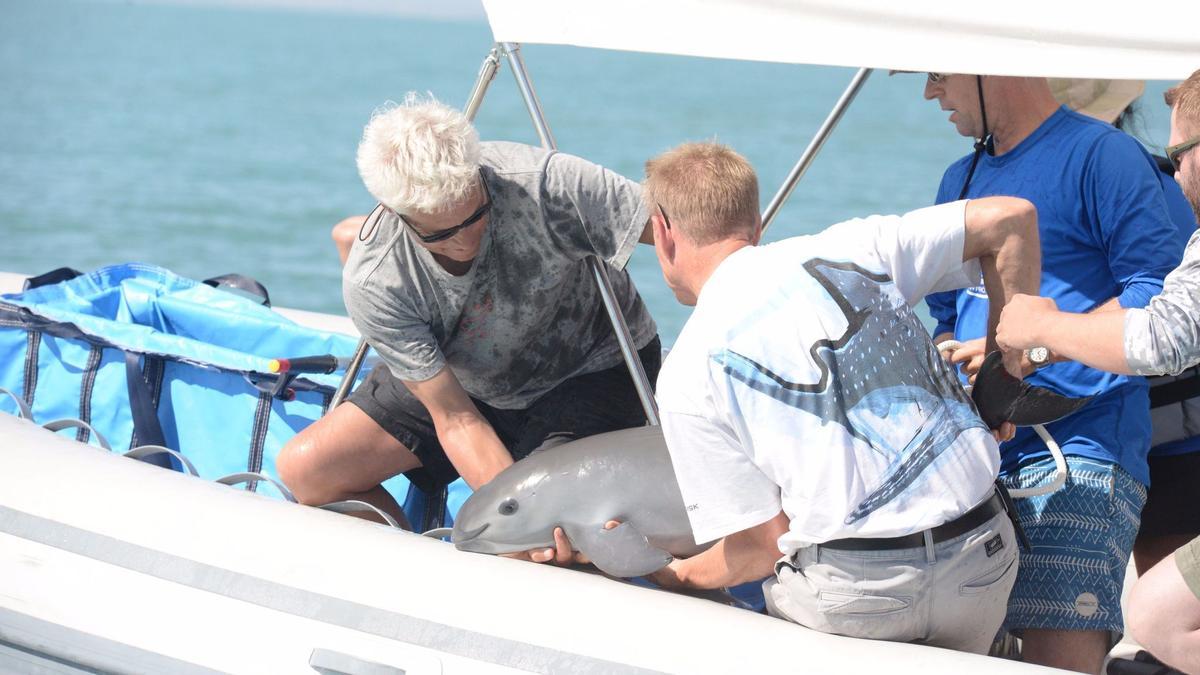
(113, 564)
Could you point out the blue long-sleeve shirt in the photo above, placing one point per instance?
(1105, 232)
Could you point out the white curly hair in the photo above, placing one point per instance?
(419, 156)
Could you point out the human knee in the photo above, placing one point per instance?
(1139, 619)
(296, 467)
(1146, 606)
(343, 234)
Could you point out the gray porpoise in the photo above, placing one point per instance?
(621, 475)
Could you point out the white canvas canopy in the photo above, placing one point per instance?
(1150, 39)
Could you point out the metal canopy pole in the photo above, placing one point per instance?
(814, 146)
(487, 73)
(599, 274)
(513, 51)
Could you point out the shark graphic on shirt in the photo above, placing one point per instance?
(882, 369)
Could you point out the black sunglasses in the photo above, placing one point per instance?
(443, 235)
(666, 220)
(1174, 152)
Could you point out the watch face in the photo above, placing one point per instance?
(1039, 355)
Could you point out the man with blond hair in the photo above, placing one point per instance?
(1164, 337)
(808, 413)
(471, 281)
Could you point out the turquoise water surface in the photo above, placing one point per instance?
(212, 140)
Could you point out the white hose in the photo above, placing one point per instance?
(1060, 462)
(1060, 468)
(949, 346)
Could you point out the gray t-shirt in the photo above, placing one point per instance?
(527, 316)
(1165, 336)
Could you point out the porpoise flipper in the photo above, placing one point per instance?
(621, 552)
(1000, 397)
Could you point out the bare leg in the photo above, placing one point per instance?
(345, 455)
(1148, 551)
(1079, 650)
(1164, 616)
(344, 234)
(382, 500)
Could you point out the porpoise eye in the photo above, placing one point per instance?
(508, 507)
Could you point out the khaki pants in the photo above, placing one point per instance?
(951, 594)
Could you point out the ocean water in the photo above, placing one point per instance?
(214, 139)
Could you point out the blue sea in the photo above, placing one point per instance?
(215, 139)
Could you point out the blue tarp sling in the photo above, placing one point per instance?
(149, 357)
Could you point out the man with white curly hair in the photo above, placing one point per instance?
(471, 281)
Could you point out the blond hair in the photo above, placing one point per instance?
(1184, 99)
(419, 155)
(708, 191)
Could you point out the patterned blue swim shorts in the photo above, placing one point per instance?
(1081, 536)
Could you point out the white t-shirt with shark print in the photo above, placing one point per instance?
(804, 382)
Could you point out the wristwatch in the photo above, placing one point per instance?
(1038, 356)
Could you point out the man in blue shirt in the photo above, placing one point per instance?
(1164, 606)
(1107, 243)
(1170, 518)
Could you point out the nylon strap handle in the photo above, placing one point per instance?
(248, 476)
(143, 451)
(351, 506)
(72, 423)
(23, 410)
(141, 404)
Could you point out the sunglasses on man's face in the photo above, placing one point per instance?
(935, 78)
(1175, 152)
(443, 235)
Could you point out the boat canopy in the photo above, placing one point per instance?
(1150, 39)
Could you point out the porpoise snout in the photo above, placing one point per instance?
(460, 536)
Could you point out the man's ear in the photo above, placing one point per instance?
(664, 238)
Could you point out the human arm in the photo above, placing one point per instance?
(469, 441)
(1127, 216)
(743, 556)
(1002, 233)
(952, 245)
(729, 499)
(472, 446)
(1162, 338)
(393, 318)
(1019, 330)
(1131, 223)
(1095, 339)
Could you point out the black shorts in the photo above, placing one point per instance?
(582, 406)
(1173, 500)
